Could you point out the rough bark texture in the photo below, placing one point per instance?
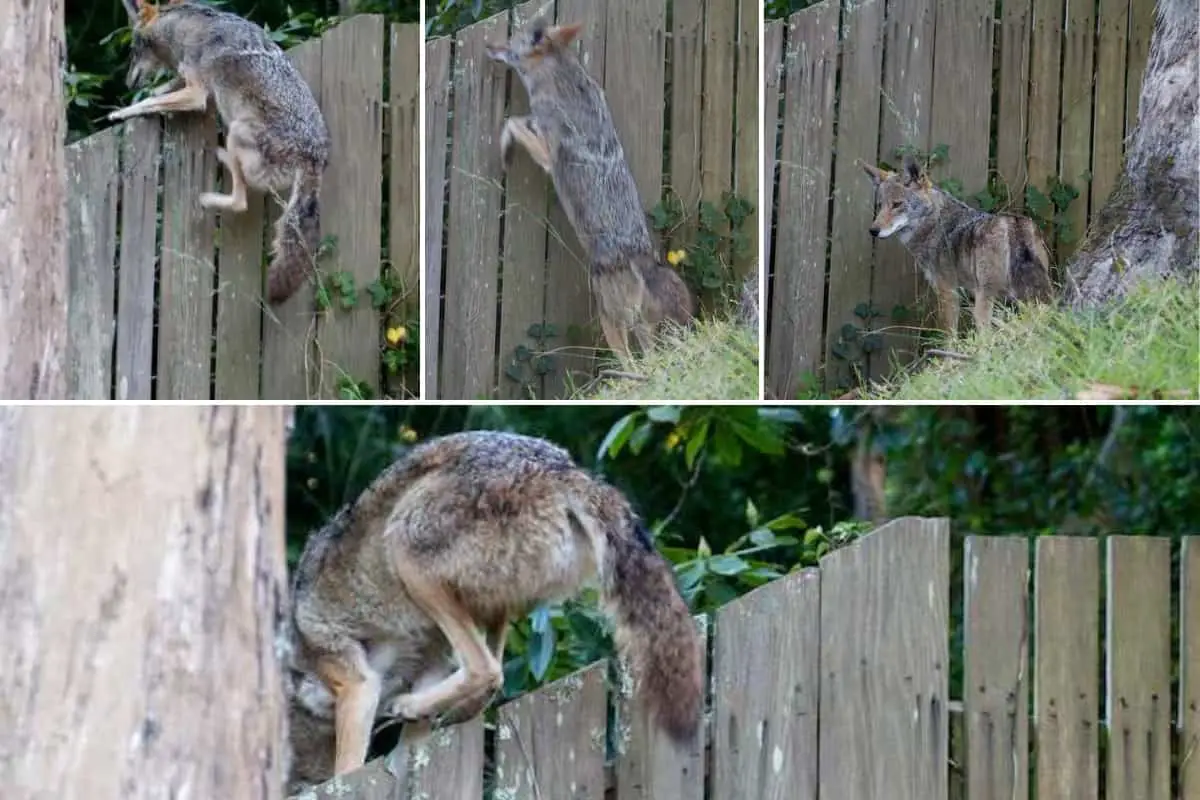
(33, 251)
(142, 579)
(1147, 228)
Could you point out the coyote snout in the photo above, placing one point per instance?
(991, 255)
(569, 133)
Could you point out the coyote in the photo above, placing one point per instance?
(275, 136)
(992, 255)
(452, 541)
(569, 133)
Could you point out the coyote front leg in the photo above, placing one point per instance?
(523, 130)
(192, 97)
(983, 309)
(948, 308)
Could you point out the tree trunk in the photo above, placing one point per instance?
(1147, 228)
(33, 255)
(141, 593)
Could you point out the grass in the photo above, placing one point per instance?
(717, 359)
(1147, 344)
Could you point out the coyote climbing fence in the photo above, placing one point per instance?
(166, 299)
(1054, 85)
(506, 284)
(836, 682)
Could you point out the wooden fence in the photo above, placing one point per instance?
(506, 285)
(1055, 85)
(166, 299)
(835, 682)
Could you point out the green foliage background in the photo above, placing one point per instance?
(738, 496)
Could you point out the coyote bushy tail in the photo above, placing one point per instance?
(297, 237)
(654, 629)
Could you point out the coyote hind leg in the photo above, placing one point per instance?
(523, 130)
(236, 199)
(356, 687)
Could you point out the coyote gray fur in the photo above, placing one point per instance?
(570, 134)
(991, 255)
(453, 540)
(275, 137)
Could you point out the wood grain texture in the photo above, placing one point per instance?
(137, 582)
(468, 357)
(568, 300)
(551, 743)
(1141, 30)
(774, 69)
(239, 298)
(1075, 135)
(1066, 654)
(687, 96)
(1012, 115)
(649, 766)
(635, 44)
(747, 125)
(1139, 667)
(1108, 123)
(996, 677)
(962, 89)
(138, 258)
(1045, 84)
(523, 267)
(810, 63)
(404, 190)
(289, 329)
(852, 248)
(187, 259)
(896, 285)
(884, 663)
(352, 197)
(437, 109)
(93, 176)
(1189, 674)
(765, 692)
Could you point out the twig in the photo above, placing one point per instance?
(949, 354)
(616, 373)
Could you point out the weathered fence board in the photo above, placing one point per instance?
(766, 679)
(404, 188)
(551, 743)
(289, 328)
(773, 61)
(437, 110)
(468, 361)
(1141, 25)
(805, 177)
(92, 250)
(516, 313)
(449, 763)
(1067, 651)
(135, 271)
(650, 766)
(352, 194)
(747, 125)
(1139, 668)
(884, 683)
(188, 259)
(996, 667)
(1189, 673)
(190, 320)
(935, 94)
(851, 253)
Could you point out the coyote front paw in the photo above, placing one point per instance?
(407, 707)
(119, 114)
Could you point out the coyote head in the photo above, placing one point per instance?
(537, 40)
(901, 198)
(147, 52)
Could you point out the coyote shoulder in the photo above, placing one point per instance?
(275, 137)
(991, 255)
(460, 536)
(570, 134)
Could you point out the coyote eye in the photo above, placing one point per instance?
(897, 205)
(538, 33)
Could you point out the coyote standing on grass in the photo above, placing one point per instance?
(275, 136)
(452, 541)
(991, 255)
(569, 133)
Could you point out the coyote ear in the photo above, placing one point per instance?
(914, 175)
(147, 12)
(563, 35)
(876, 175)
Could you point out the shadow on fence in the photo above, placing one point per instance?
(837, 681)
(506, 285)
(166, 299)
(847, 80)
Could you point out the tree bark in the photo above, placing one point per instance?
(141, 592)
(1147, 228)
(33, 255)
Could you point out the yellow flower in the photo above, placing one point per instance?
(407, 434)
(676, 257)
(672, 441)
(397, 335)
